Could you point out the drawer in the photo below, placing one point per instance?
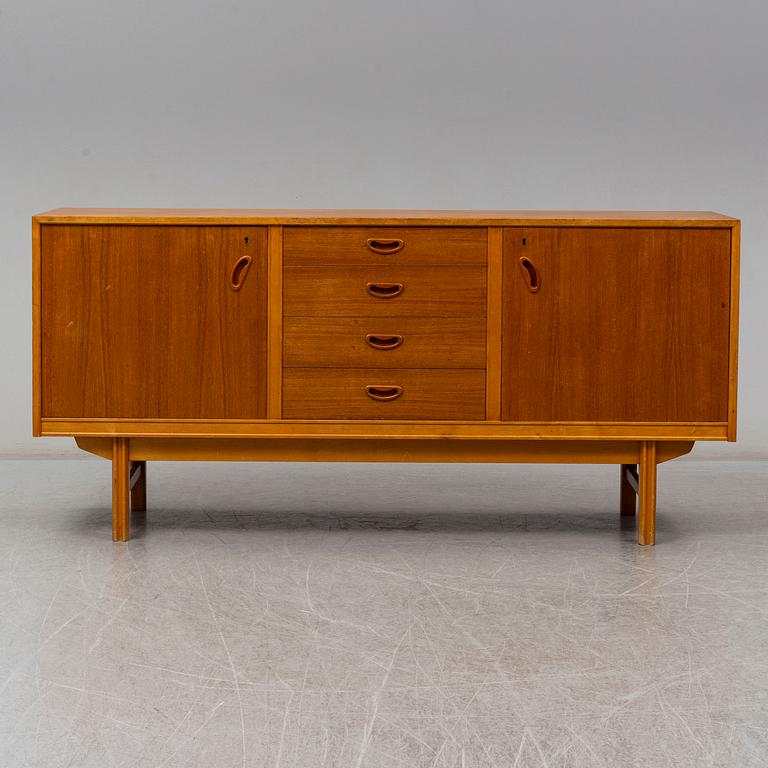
(369, 342)
(387, 291)
(457, 246)
(399, 393)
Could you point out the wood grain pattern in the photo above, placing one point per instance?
(342, 292)
(427, 394)
(629, 325)
(337, 342)
(733, 341)
(142, 322)
(493, 325)
(422, 246)
(395, 430)
(646, 517)
(121, 488)
(334, 449)
(352, 217)
(275, 324)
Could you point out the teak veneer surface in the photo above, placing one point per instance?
(287, 216)
(328, 291)
(627, 325)
(419, 246)
(427, 394)
(275, 323)
(142, 322)
(424, 342)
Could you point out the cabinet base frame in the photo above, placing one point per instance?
(129, 457)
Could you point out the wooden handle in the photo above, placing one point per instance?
(383, 392)
(383, 342)
(384, 290)
(385, 245)
(239, 271)
(530, 273)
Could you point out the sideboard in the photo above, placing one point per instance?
(416, 336)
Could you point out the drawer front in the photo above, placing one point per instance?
(400, 393)
(369, 342)
(384, 291)
(309, 246)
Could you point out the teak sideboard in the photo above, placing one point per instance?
(420, 336)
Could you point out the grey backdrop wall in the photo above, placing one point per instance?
(417, 103)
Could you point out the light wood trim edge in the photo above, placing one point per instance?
(493, 326)
(733, 341)
(37, 346)
(379, 218)
(389, 422)
(275, 324)
(388, 431)
(260, 449)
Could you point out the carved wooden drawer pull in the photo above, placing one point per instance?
(385, 245)
(530, 273)
(239, 271)
(383, 342)
(383, 392)
(384, 290)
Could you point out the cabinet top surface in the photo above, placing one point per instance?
(287, 216)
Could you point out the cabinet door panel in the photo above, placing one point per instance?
(626, 324)
(142, 322)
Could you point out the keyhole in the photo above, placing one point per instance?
(246, 241)
(523, 241)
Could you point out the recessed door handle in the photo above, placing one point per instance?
(239, 271)
(383, 392)
(385, 245)
(530, 273)
(384, 290)
(383, 342)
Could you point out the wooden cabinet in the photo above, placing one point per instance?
(391, 336)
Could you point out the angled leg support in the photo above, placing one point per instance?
(628, 488)
(139, 486)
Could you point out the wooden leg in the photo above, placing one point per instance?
(646, 521)
(627, 492)
(121, 490)
(139, 486)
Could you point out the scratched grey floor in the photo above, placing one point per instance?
(383, 616)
